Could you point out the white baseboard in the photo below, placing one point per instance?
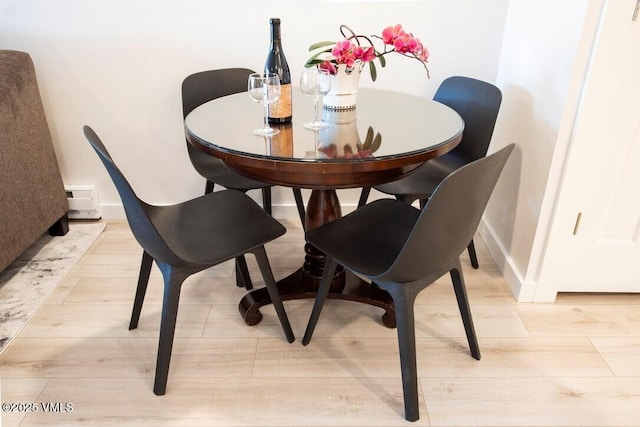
(112, 211)
(523, 291)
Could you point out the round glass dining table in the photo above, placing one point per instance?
(387, 136)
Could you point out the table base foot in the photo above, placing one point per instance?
(292, 288)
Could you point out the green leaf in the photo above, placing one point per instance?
(376, 143)
(373, 71)
(368, 139)
(319, 45)
(313, 62)
(383, 61)
(314, 59)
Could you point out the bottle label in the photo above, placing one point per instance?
(282, 107)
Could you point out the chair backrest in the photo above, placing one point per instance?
(136, 210)
(478, 104)
(206, 86)
(449, 220)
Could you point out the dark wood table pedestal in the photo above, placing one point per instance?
(323, 207)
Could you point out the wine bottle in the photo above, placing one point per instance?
(279, 111)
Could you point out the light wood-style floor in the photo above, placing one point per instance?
(570, 363)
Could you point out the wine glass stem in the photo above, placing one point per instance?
(266, 116)
(315, 109)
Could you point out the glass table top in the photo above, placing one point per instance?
(384, 125)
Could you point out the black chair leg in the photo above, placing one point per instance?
(141, 290)
(266, 199)
(272, 289)
(173, 279)
(472, 255)
(323, 290)
(208, 187)
(364, 195)
(297, 194)
(243, 278)
(404, 296)
(465, 311)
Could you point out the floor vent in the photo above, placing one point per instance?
(83, 202)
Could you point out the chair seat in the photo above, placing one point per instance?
(188, 227)
(383, 224)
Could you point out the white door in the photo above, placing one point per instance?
(594, 244)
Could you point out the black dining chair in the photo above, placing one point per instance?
(206, 86)
(189, 237)
(403, 250)
(478, 103)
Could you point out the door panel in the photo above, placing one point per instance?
(594, 242)
(622, 224)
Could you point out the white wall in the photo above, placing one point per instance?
(541, 70)
(117, 65)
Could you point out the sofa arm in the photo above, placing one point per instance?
(32, 196)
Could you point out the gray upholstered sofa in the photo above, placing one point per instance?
(32, 196)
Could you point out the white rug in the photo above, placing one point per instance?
(31, 278)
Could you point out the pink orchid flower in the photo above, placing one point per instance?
(364, 55)
(348, 53)
(328, 65)
(390, 34)
(343, 52)
(421, 52)
(405, 44)
(342, 48)
(368, 54)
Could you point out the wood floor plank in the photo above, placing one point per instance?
(110, 320)
(15, 391)
(437, 357)
(583, 320)
(533, 401)
(579, 298)
(127, 357)
(621, 354)
(198, 289)
(228, 402)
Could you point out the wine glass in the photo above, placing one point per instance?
(264, 88)
(317, 83)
